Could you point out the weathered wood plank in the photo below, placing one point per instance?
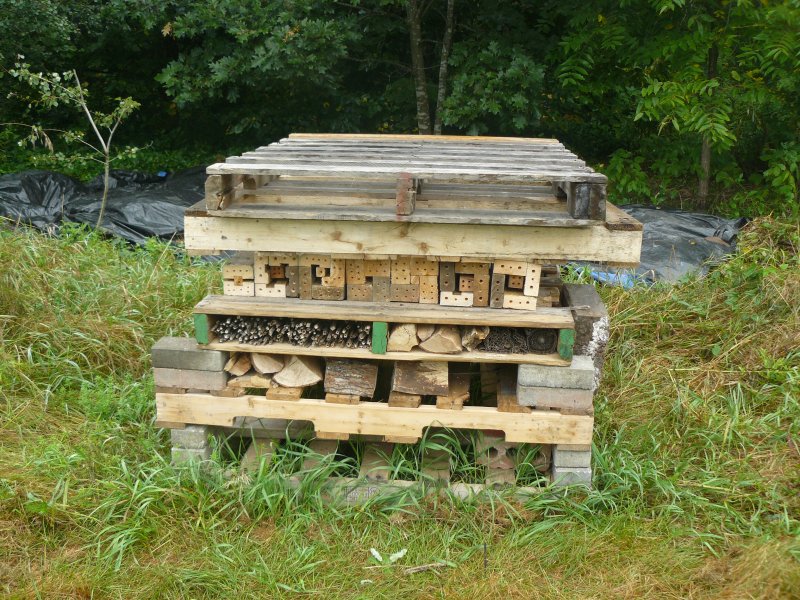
(399, 312)
(522, 243)
(376, 418)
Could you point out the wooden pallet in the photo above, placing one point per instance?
(412, 195)
(407, 161)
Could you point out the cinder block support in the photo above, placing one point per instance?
(183, 353)
(573, 459)
(182, 456)
(579, 375)
(191, 444)
(564, 476)
(194, 437)
(591, 323)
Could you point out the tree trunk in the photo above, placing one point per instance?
(447, 43)
(414, 16)
(106, 166)
(705, 149)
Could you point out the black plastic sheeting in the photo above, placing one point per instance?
(141, 206)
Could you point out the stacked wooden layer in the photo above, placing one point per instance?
(385, 286)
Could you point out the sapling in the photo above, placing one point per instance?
(66, 89)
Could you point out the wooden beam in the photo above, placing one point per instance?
(399, 312)
(376, 418)
(539, 244)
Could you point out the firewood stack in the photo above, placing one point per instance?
(382, 287)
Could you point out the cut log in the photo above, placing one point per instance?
(238, 364)
(250, 380)
(403, 338)
(425, 331)
(445, 340)
(472, 336)
(404, 400)
(424, 378)
(352, 377)
(266, 364)
(300, 371)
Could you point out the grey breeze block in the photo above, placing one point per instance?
(563, 476)
(186, 379)
(571, 458)
(560, 398)
(579, 375)
(183, 353)
(192, 437)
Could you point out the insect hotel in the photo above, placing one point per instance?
(381, 288)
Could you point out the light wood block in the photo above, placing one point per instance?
(245, 288)
(519, 301)
(456, 298)
(273, 290)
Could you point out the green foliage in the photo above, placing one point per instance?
(494, 89)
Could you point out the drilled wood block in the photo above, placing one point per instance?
(273, 290)
(481, 289)
(532, 278)
(447, 277)
(336, 275)
(404, 293)
(293, 282)
(245, 288)
(277, 272)
(456, 299)
(401, 270)
(321, 292)
(424, 267)
(315, 260)
(466, 282)
(381, 289)
(306, 283)
(354, 272)
(474, 268)
(360, 292)
(510, 267)
(497, 292)
(261, 272)
(429, 288)
(238, 266)
(378, 268)
(519, 301)
(515, 282)
(289, 260)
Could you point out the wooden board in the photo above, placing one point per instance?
(376, 418)
(597, 243)
(397, 312)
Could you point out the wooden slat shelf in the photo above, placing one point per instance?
(376, 418)
(394, 312)
(476, 356)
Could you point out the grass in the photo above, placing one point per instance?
(697, 453)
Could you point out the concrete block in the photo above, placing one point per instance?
(194, 437)
(563, 476)
(591, 323)
(190, 379)
(579, 375)
(561, 398)
(571, 458)
(183, 353)
(182, 456)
